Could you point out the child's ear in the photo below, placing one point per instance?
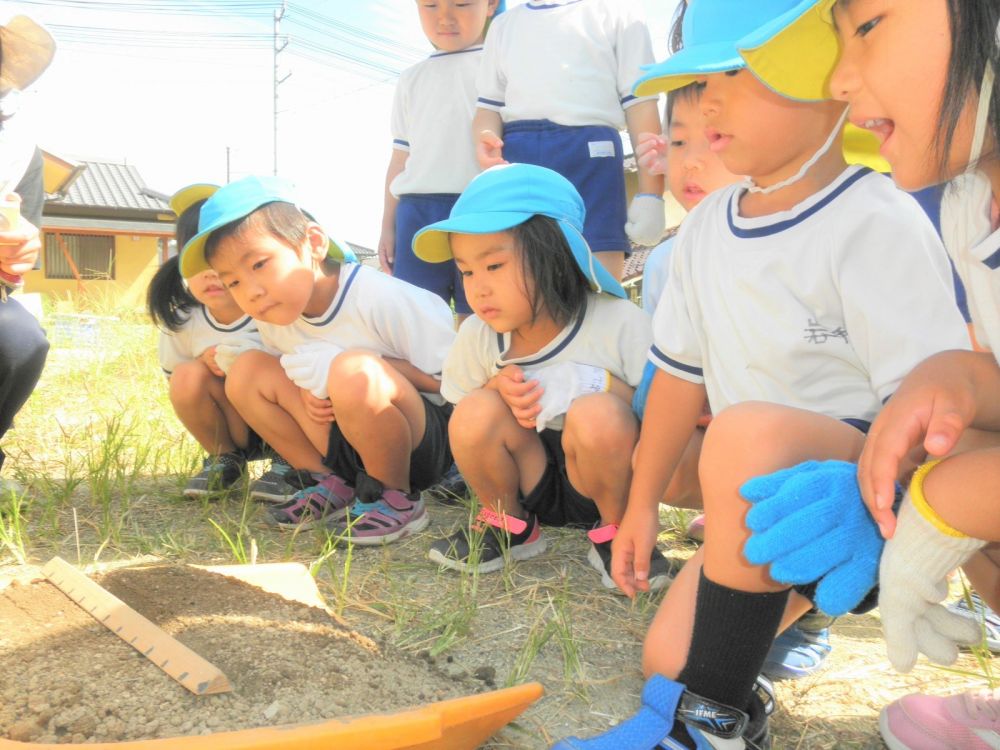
(491, 8)
(317, 242)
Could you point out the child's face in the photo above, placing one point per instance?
(693, 170)
(453, 25)
(892, 72)
(207, 288)
(759, 133)
(494, 280)
(269, 280)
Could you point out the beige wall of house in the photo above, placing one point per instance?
(136, 260)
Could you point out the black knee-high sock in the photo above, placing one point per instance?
(733, 631)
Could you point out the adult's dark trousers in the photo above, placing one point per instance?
(23, 348)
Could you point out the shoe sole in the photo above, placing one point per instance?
(269, 498)
(415, 526)
(888, 737)
(594, 558)
(520, 552)
(195, 494)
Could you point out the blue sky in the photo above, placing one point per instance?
(169, 85)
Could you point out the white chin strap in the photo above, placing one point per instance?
(982, 116)
(753, 187)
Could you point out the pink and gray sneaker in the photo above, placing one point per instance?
(380, 515)
(326, 500)
(967, 721)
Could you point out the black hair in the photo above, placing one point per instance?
(281, 220)
(167, 299)
(974, 44)
(557, 285)
(690, 94)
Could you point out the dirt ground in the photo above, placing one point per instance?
(546, 619)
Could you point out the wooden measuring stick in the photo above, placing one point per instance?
(170, 655)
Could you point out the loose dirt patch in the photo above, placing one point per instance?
(72, 680)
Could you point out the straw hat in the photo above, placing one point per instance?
(26, 49)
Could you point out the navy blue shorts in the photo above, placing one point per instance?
(414, 212)
(591, 158)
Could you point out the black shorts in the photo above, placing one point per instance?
(256, 448)
(428, 462)
(554, 500)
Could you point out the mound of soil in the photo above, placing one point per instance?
(69, 679)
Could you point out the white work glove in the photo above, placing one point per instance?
(309, 366)
(913, 583)
(646, 220)
(227, 352)
(562, 384)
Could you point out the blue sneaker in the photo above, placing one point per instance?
(671, 718)
(797, 653)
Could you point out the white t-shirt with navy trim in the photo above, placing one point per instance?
(569, 61)
(374, 311)
(612, 333)
(825, 307)
(979, 267)
(199, 332)
(432, 111)
(655, 274)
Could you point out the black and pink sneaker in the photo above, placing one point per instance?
(327, 499)
(491, 540)
(380, 515)
(660, 571)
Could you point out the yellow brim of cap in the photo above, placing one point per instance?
(186, 197)
(663, 85)
(796, 59)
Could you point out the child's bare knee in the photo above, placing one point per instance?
(247, 373)
(619, 429)
(477, 417)
(189, 381)
(354, 376)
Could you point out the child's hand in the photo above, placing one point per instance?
(489, 149)
(226, 353)
(208, 358)
(928, 413)
(651, 153)
(319, 409)
(521, 395)
(646, 219)
(19, 248)
(309, 366)
(561, 384)
(387, 250)
(632, 547)
(809, 524)
(913, 583)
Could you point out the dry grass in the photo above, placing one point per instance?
(98, 438)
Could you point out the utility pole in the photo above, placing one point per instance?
(227, 165)
(279, 44)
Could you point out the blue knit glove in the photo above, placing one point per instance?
(642, 390)
(810, 524)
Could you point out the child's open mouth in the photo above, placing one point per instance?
(882, 127)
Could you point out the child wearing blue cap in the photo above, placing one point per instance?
(947, 128)
(354, 398)
(555, 90)
(433, 156)
(553, 349)
(797, 301)
(200, 323)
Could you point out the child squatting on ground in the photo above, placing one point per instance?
(433, 156)
(693, 170)
(554, 350)
(555, 90)
(202, 329)
(797, 301)
(348, 387)
(948, 407)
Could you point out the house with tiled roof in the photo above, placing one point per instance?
(105, 232)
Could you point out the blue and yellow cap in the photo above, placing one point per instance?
(507, 195)
(187, 196)
(236, 201)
